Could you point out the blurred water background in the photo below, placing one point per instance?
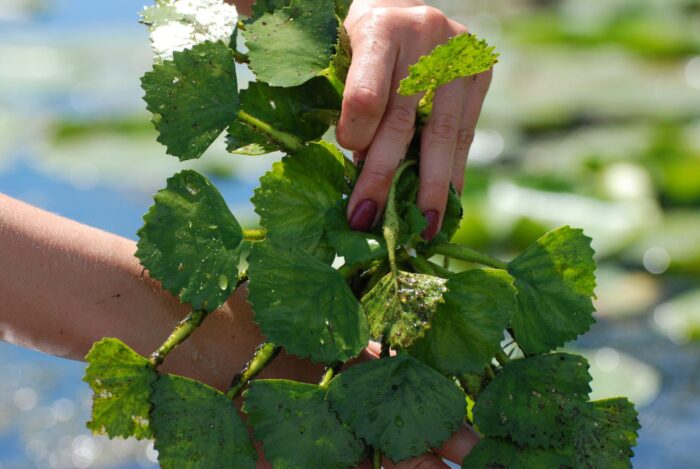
(593, 120)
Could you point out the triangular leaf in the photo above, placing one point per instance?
(535, 400)
(467, 329)
(462, 56)
(398, 405)
(304, 305)
(290, 110)
(555, 279)
(401, 308)
(193, 98)
(196, 426)
(190, 241)
(298, 428)
(295, 195)
(121, 382)
(305, 34)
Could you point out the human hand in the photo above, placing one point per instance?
(377, 124)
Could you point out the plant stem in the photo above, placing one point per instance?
(421, 265)
(489, 372)
(262, 357)
(376, 458)
(254, 234)
(331, 371)
(502, 358)
(288, 141)
(181, 332)
(467, 254)
(240, 57)
(425, 266)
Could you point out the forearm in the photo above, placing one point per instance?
(64, 285)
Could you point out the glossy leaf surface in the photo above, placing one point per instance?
(467, 329)
(196, 426)
(193, 98)
(555, 279)
(297, 427)
(398, 405)
(304, 305)
(121, 382)
(191, 242)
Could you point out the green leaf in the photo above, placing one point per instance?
(260, 7)
(190, 241)
(176, 25)
(462, 56)
(121, 382)
(291, 110)
(193, 98)
(196, 426)
(535, 400)
(605, 434)
(354, 246)
(297, 426)
(467, 329)
(603, 437)
(398, 405)
(400, 309)
(304, 305)
(555, 279)
(294, 197)
(305, 34)
(499, 453)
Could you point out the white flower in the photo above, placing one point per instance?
(181, 24)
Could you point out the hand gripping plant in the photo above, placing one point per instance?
(476, 346)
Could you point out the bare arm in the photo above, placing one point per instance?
(64, 285)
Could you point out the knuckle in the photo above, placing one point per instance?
(364, 101)
(443, 128)
(430, 17)
(465, 138)
(400, 119)
(377, 177)
(435, 185)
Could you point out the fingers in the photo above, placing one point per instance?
(438, 147)
(459, 444)
(386, 151)
(475, 92)
(367, 88)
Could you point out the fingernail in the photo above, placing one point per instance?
(362, 217)
(433, 219)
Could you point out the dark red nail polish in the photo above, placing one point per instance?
(433, 219)
(362, 217)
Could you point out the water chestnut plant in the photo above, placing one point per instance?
(479, 346)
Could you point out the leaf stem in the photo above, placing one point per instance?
(330, 373)
(254, 234)
(288, 141)
(464, 253)
(262, 357)
(376, 458)
(425, 266)
(240, 57)
(181, 332)
(502, 358)
(489, 372)
(391, 220)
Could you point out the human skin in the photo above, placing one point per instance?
(64, 286)
(377, 124)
